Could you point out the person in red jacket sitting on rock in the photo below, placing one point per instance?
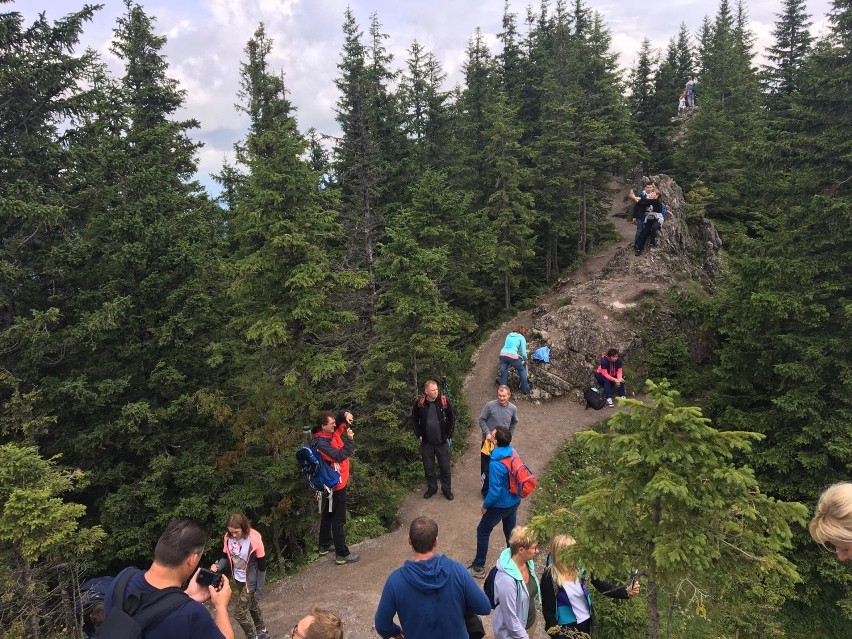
(610, 373)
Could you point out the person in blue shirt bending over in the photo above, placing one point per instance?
(514, 354)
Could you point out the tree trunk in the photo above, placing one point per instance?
(506, 292)
(581, 240)
(653, 586)
(28, 605)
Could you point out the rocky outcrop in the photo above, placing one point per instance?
(587, 319)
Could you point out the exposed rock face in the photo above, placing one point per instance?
(589, 318)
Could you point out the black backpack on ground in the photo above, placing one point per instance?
(594, 398)
(127, 618)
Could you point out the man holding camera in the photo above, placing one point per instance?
(328, 438)
(176, 558)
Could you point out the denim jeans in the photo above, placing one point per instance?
(518, 363)
(491, 518)
(622, 392)
(640, 224)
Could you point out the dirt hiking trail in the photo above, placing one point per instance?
(353, 591)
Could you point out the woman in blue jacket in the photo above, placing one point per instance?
(565, 600)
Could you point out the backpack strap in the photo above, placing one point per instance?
(167, 600)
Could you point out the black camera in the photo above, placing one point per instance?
(207, 577)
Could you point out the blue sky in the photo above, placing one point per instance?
(206, 40)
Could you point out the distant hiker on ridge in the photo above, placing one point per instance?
(690, 91)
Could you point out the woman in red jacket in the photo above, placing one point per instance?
(610, 373)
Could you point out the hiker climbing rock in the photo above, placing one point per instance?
(514, 354)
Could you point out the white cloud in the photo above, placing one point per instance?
(206, 40)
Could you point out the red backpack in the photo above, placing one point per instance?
(521, 480)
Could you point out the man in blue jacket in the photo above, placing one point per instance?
(430, 594)
(499, 504)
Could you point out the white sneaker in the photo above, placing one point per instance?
(609, 402)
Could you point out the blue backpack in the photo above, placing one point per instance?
(320, 474)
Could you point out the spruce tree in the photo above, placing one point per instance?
(726, 135)
(675, 501)
(283, 289)
(509, 207)
(792, 41)
(146, 302)
(784, 368)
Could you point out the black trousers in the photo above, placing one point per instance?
(333, 524)
(649, 232)
(484, 464)
(429, 452)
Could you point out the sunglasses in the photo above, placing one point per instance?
(295, 633)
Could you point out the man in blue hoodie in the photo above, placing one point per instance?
(499, 504)
(430, 594)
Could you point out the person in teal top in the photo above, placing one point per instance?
(516, 588)
(514, 353)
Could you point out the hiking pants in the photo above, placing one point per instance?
(517, 363)
(442, 451)
(247, 611)
(333, 524)
(648, 232)
(607, 384)
(640, 224)
(491, 518)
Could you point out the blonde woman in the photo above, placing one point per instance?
(565, 600)
(832, 522)
(516, 587)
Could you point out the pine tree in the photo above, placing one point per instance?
(674, 500)
(509, 207)
(784, 368)
(145, 302)
(478, 94)
(425, 106)
(641, 87)
(44, 542)
(787, 54)
(726, 136)
(42, 104)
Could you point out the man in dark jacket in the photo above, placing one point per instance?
(433, 421)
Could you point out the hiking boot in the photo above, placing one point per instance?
(638, 253)
(477, 572)
(449, 495)
(262, 634)
(609, 402)
(430, 493)
(324, 550)
(351, 558)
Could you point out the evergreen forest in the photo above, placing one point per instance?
(162, 349)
